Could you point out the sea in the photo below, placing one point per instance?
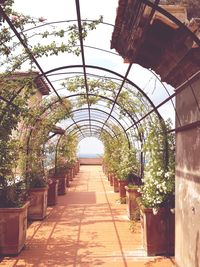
(91, 156)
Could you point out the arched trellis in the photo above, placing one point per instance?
(92, 120)
(129, 128)
(129, 90)
(80, 137)
(115, 101)
(154, 7)
(75, 123)
(103, 111)
(109, 71)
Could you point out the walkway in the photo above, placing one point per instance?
(88, 227)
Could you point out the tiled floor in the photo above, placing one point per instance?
(88, 227)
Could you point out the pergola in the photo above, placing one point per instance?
(157, 37)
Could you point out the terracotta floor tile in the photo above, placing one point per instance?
(88, 227)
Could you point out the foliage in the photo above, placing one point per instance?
(9, 143)
(66, 151)
(120, 159)
(40, 123)
(159, 177)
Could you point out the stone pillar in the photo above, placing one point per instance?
(187, 244)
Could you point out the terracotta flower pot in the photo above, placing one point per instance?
(52, 195)
(62, 182)
(38, 203)
(67, 180)
(13, 226)
(133, 211)
(122, 190)
(70, 174)
(158, 231)
(115, 184)
(111, 179)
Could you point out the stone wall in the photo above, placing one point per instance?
(187, 245)
(90, 161)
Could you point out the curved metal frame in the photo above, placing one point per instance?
(154, 7)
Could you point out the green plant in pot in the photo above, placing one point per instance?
(37, 191)
(36, 179)
(128, 168)
(39, 124)
(13, 201)
(158, 190)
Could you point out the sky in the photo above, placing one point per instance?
(65, 10)
(90, 145)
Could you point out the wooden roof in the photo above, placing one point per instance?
(58, 130)
(153, 41)
(40, 82)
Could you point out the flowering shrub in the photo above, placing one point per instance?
(159, 175)
(120, 159)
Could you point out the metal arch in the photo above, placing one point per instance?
(99, 110)
(111, 100)
(97, 127)
(78, 12)
(113, 122)
(83, 137)
(118, 93)
(129, 90)
(50, 105)
(106, 70)
(84, 120)
(61, 21)
(103, 97)
(113, 72)
(87, 136)
(114, 111)
(95, 75)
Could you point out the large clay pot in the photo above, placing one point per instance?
(67, 180)
(111, 179)
(122, 190)
(70, 174)
(52, 195)
(62, 184)
(115, 184)
(13, 226)
(62, 177)
(76, 167)
(133, 211)
(38, 203)
(158, 231)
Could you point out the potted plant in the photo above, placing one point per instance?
(128, 169)
(13, 201)
(115, 184)
(37, 192)
(158, 192)
(13, 215)
(65, 159)
(132, 194)
(60, 174)
(52, 195)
